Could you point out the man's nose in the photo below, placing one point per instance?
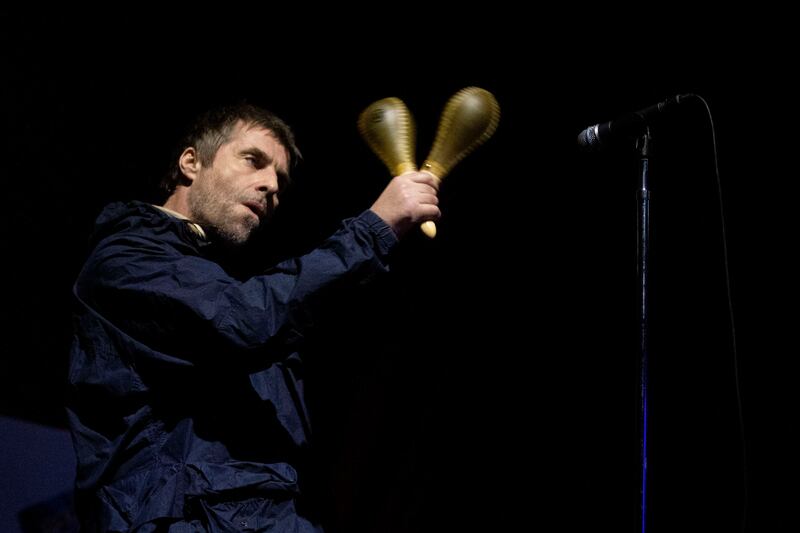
(268, 182)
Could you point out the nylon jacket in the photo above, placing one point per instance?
(186, 384)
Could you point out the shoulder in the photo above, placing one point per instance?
(131, 237)
(143, 227)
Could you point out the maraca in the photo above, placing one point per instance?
(388, 128)
(468, 120)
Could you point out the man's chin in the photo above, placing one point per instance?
(234, 237)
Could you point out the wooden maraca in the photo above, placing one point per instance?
(468, 120)
(388, 128)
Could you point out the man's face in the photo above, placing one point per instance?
(240, 188)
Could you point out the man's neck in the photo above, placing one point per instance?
(176, 207)
(172, 212)
(178, 203)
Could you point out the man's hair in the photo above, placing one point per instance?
(213, 128)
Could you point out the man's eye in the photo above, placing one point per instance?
(250, 159)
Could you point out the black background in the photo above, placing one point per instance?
(492, 381)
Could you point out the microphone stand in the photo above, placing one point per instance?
(643, 227)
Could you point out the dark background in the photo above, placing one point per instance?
(492, 381)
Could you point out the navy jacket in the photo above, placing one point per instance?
(186, 384)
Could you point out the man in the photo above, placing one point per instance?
(186, 402)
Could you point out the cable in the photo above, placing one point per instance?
(726, 266)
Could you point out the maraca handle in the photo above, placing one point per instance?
(388, 128)
(428, 228)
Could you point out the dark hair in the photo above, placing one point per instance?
(213, 128)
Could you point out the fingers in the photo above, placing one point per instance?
(426, 178)
(429, 212)
(427, 198)
(418, 183)
(427, 207)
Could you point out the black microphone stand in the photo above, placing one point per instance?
(643, 244)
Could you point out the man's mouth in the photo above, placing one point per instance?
(260, 210)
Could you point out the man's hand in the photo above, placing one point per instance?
(408, 200)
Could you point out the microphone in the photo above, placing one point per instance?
(601, 135)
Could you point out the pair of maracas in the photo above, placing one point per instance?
(468, 120)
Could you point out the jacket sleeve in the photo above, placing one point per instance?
(177, 303)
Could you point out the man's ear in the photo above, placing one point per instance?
(189, 163)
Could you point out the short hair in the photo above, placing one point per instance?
(213, 128)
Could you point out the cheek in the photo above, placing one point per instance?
(221, 188)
